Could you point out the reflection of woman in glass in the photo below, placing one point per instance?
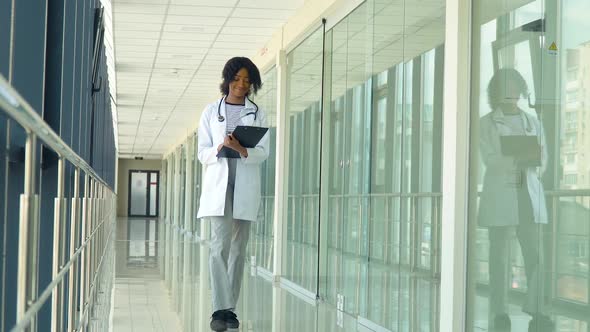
(512, 199)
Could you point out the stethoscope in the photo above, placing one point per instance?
(221, 118)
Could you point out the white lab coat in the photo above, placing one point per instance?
(247, 190)
(499, 202)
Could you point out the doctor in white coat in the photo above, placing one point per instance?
(230, 198)
(512, 199)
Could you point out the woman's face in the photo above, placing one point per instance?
(240, 86)
(511, 94)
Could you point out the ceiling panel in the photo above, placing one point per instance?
(141, 18)
(198, 19)
(247, 31)
(188, 36)
(263, 13)
(192, 27)
(249, 22)
(219, 12)
(147, 26)
(125, 8)
(208, 3)
(269, 4)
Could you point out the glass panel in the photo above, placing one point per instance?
(348, 124)
(530, 197)
(304, 69)
(383, 149)
(179, 235)
(153, 193)
(197, 169)
(263, 233)
(571, 279)
(138, 193)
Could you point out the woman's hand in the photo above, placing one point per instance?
(231, 142)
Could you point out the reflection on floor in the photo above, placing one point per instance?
(142, 302)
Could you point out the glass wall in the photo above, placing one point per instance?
(304, 76)
(182, 242)
(529, 235)
(196, 187)
(376, 213)
(261, 240)
(382, 150)
(179, 231)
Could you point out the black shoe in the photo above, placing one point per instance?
(231, 320)
(218, 321)
(541, 323)
(502, 323)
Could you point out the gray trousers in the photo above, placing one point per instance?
(530, 239)
(229, 238)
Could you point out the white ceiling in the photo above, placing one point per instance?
(169, 56)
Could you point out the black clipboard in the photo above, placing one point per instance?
(525, 149)
(248, 136)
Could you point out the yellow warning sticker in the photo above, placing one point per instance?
(553, 47)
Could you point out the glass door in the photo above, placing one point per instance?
(143, 200)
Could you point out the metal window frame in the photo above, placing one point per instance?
(148, 194)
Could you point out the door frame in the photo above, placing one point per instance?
(148, 198)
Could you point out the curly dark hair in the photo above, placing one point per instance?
(232, 67)
(499, 82)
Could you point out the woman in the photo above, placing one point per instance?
(231, 186)
(512, 199)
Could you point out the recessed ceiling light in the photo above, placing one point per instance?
(192, 28)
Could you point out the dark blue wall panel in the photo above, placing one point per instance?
(52, 69)
(28, 64)
(52, 115)
(5, 23)
(5, 30)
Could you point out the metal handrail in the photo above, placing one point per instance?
(93, 284)
(402, 195)
(568, 192)
(398, 194)
(20, 111)
(40, 301)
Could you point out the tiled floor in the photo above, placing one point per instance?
(142, 303)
